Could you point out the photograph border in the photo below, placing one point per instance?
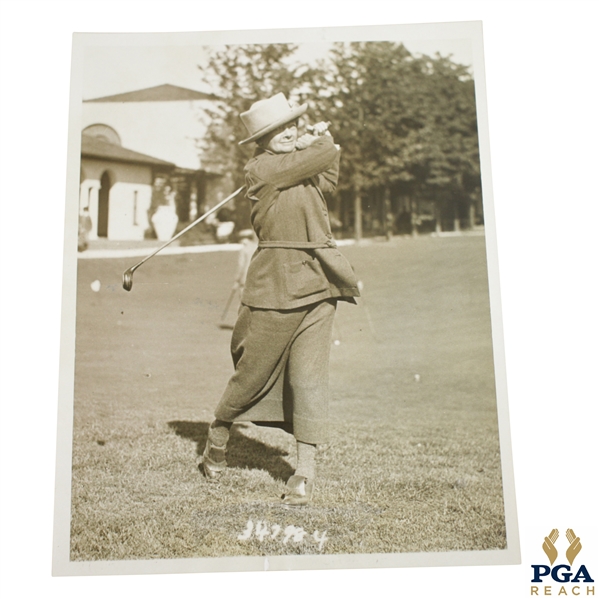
(62, 566)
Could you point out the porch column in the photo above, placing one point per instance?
(92, 202)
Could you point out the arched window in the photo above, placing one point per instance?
(103, 132)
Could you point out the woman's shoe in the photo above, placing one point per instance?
(213, 460)
(298, 492)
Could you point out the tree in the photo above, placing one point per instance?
(403, 121)
(240, 76)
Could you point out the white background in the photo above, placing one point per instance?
(541, 67)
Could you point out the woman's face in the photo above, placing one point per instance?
(282, 139)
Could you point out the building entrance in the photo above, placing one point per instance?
(103, 204)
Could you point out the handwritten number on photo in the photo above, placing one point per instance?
(276, 529)
(295, 534)
(247, 533)
(261, 530)
(320, 538)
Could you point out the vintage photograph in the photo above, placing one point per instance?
(285, 346)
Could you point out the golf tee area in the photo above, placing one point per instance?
(413, 464)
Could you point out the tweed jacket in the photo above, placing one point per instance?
(297, 262)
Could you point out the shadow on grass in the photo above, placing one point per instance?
(242, 452)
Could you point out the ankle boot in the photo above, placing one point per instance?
(298, 491)
(213, 460)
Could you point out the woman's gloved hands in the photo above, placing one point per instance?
(314, 132)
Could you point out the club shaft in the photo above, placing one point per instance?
(190, 226)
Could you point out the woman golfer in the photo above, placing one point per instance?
(281, 341)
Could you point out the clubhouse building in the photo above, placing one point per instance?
(133, 147)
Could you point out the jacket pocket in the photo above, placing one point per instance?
(305, 278)
(338, 270)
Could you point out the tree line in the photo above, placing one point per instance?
(406, 124)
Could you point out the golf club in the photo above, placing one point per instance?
(128, 274)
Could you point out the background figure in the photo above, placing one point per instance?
(85, 227)
(249, 243)
(222, 225)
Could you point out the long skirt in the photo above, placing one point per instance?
(281, 360)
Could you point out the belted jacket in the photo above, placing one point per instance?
(297, 262)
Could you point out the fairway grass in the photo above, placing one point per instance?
(413, 463)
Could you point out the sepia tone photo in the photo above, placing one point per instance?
(284, 347)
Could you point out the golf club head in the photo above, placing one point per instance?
(128, 280)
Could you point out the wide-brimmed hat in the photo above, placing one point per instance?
(266, 115)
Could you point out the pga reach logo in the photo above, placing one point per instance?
(572, 580)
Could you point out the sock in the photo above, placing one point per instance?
(219, 432)
(306, 460)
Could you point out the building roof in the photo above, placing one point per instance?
(159, 93)
(92, 147)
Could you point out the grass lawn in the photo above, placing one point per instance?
(413, 464)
